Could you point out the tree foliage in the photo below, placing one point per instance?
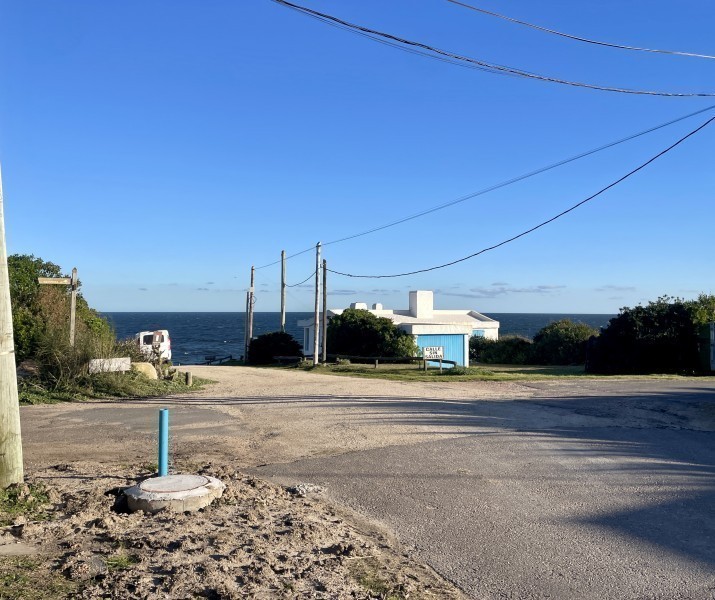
(358, 332)
(507, 350)
(41, 315)
(263, 349)
(661, 337)
(28, 325)
(562, 342)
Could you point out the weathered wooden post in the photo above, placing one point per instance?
(283, 290)
(11, 468)
(325, 311)
(316, 319)
(73, 304)
(250, 307)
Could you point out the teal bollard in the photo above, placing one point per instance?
(163, 442)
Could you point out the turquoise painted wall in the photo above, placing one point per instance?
(453, 346)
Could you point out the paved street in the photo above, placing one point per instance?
(584, 490)
(571, 488)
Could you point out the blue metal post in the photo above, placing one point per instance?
(163, 442)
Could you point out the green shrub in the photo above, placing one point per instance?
(358, 332)
(507, 350)
(262, 349)
(562, 343)
(660, 337)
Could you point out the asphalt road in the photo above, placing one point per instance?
(585, 489)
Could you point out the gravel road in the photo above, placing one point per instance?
(571, 488)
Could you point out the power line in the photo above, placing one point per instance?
(498, 185)
(302, 282)
(577, 38)
(543, 223)
(516, 179)
(481, 63)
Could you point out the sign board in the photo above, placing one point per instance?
(433, 352)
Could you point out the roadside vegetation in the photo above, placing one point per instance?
(52, 370)
(666, 337)
(494, 372)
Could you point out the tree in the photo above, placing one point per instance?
(562, 342)
(702, 309)
(358, 332)
(661, 337)
(507, 350)
(263, 349)
(27, 321)
(38, 310)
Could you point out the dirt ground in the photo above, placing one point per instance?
(259, 540)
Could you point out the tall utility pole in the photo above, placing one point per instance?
(11, 469)
(316, 332)
(245, 328)
(325, 311)
(283, 290)
(251, 302)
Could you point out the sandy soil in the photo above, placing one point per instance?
(260, 540)
(257, 541)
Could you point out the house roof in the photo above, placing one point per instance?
(463, 318)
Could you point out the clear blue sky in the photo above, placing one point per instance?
(164, 147)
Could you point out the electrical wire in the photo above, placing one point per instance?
(302, 282)
(498, 185)
(575, 37)
(543, 223)
(481, 63)
(514, 180)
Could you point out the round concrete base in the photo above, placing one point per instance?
(178, 493)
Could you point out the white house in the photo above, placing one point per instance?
(450, 329)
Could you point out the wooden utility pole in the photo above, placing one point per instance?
(325, 311)
(251, 302)
(11, 469)
(283, 290)
(316, 332)
(245, 328)
(73, 304)
(73, 282)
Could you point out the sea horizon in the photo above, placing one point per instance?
(196, 335)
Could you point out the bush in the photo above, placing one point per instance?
(358, 332)
(508, 350)
(262, 349)
(658, 338)
(562, 343)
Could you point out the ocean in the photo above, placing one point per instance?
(197, 335)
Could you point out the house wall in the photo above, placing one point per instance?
(455, 345)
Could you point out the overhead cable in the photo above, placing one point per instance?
(302, 282)
(480, 63)
(498, 185)
(543, 223)
(577, 38)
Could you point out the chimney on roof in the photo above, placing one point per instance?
(359, 305)
(422, 304)
(377, 306)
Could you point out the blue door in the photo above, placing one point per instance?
(453, 345)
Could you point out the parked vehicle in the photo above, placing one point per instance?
(154, 343)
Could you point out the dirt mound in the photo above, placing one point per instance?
(258, 541)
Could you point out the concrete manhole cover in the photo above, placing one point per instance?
(173, 483)
(179, 493)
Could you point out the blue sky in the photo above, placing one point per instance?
(164, 147)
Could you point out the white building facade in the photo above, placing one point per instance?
(448, 329)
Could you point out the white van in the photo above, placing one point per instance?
(152, 343)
